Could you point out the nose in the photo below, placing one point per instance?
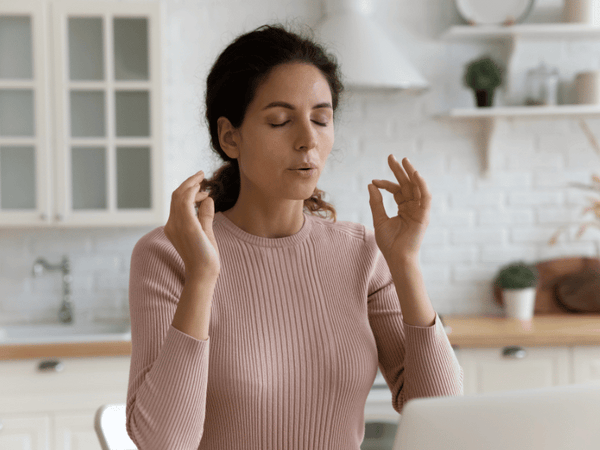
(306, 137)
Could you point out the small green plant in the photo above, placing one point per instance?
(517, 275)
(483, 74)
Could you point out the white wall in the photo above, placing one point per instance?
(477, 224)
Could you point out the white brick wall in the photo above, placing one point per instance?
(477, 224)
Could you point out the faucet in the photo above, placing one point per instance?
(65, 315)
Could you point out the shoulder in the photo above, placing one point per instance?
(351, 233)
(154, 246)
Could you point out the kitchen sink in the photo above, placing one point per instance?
(44, 333)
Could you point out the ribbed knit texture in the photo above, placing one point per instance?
(298, 328)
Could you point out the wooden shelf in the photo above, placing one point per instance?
(490, 117)
(531, 31)
(525, 111)
(515, 36)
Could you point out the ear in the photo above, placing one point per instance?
(228, 137)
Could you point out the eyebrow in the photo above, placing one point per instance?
(288, 106)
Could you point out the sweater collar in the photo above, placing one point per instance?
(287, 241)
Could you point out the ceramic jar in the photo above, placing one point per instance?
(582, 11)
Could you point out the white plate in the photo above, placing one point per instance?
(494, 12)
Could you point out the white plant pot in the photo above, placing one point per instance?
(519, 303)
(582, 11)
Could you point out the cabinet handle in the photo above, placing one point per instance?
(60, 217)
(514, 352)
(1, 425)
(51, 366)
(43, 216)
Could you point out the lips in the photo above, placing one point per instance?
(305, 166)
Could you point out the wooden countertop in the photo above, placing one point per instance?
(542, 330)
(463, 331)
(71, 349)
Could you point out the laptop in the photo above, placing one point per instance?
(556, 418)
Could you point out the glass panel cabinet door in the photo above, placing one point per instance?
(108, 91)
(25, 157)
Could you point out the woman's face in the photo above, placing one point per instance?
(288, 123)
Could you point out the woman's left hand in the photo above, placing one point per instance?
(399, 238)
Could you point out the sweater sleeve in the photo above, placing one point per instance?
(414, 361)
(166, 395)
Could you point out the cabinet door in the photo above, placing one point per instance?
(107, 80)
(71, 384)
(586, 365)
(75, 431)
(25, 157)
(24, 432)
(513, 368)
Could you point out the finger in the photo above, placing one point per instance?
(409, 168)
(398, 170)
(393, 188)
(376, 203)
(416, 188)
(424, 190)
(191, 181)
(404, 173)
(410, 191)
(200, 196)
(206, 215)
(188, 195)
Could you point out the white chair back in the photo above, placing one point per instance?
(109, 423)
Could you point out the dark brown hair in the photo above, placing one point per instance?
(232, 84)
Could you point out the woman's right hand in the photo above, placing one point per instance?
(192, 235)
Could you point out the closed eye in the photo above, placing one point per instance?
(275, 125)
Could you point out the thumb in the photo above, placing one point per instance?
(376, 203)
(206, 214)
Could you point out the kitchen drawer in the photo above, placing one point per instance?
(66, 384)
(513, 368)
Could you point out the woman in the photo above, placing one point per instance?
(256, 325)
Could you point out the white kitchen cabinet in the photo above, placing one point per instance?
(80, 114)
(513, 368)
(586, 365)
(24, 432)
(489, 369)
(72, 431)
(54, 408)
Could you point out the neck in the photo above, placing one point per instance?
(268, 222)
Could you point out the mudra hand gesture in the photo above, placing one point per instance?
(399, 238)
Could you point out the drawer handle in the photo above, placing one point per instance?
(51, 366)
(1, 425)
(514, 352)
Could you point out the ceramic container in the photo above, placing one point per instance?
(519, 303)
(582, 11)
(587, 88)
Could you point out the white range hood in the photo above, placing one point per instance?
(368, 58)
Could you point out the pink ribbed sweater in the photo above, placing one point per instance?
(298, 327)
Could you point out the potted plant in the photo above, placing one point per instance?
(483, 76)
(518, 282)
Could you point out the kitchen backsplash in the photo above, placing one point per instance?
(477, 224)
